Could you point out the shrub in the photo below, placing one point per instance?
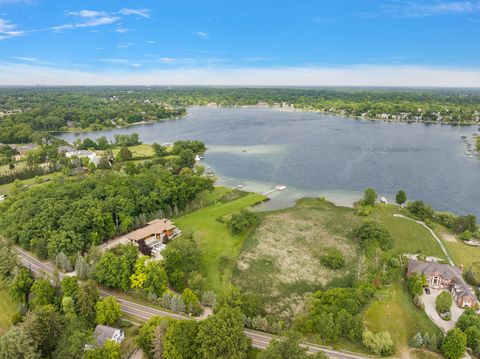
(380, 343)
(240, 222)
(333, 259)
(371, 234)
(443, 303)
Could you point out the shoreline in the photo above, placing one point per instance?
(273, 108)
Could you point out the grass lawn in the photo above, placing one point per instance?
(409, 237)
(393, 311)
(143, 150)
(6, 188)
(8, 306)
(220, 248)
(18, 165)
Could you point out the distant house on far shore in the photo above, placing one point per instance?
(444, 276)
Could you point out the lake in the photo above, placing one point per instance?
(314, 154)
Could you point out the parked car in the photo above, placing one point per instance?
(427, 290)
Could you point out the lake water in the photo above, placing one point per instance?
(315, 154)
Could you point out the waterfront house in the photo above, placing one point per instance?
(156, 231)
(444, 276)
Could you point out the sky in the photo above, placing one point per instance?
(240, 42)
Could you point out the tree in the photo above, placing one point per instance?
(108, 311)
(191, 302)
(82, 269)
(369, 197)
(180, 340)
(63, 262)
(186, 159)
(157, 344)
(454, 345)
(443, 302)
(43, 293)
(16, 343)
(44, 326)
(401, 197)
(221, 335)
(371, 235)
(181, 257)
(242, 221)
(380, 343)
(473, 339)
(287, 348)
(416, 283)
(21, 284)
(86, 301)
(110, 350)
(420, 210)
(146, 335)
(69, 287)
(8, 261)
(124, 154)
(416, 341)
(160, 151)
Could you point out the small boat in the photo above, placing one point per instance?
(463, 137)
(197, 158)
(468, 153)
(280, 188)
(471, 156)
(239, 186)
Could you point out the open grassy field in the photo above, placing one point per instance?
(281, 263)
(143, 150)
(6, 188)
(410, 237)
(393, 311)
(219, 247)
(8, 306)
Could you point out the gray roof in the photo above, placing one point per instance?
(429, 268)
(103, 333)
(446, 271)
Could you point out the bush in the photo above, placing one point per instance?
(380, 343)
(242, 221)
(443, 303)
(333, 259)
(420, 210)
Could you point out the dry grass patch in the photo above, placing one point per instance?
(280, 261)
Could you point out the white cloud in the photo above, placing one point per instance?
(24, 58)
(431, 8)
(151, 41)
(358, 75)
(139, 12)
(167, 60)
(124, 45)
(89, 22)
(202, 35)
(87, 13)
(121, 30)
(9, 30)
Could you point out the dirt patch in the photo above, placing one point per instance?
(448, 237)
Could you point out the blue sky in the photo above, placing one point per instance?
(270, 42)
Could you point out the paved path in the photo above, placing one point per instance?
(440, 243)
(143, 313)
(429, 302)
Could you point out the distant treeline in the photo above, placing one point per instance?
(26, 111)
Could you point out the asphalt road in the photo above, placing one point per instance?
(142, 312)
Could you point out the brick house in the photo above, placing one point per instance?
(443, 276)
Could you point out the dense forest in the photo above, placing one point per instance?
(24, 112)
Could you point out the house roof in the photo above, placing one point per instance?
(446, 271)
(430, 268)
(103, 333)
(157, 226)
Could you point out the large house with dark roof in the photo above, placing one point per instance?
(443, 276)
(158, 230)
